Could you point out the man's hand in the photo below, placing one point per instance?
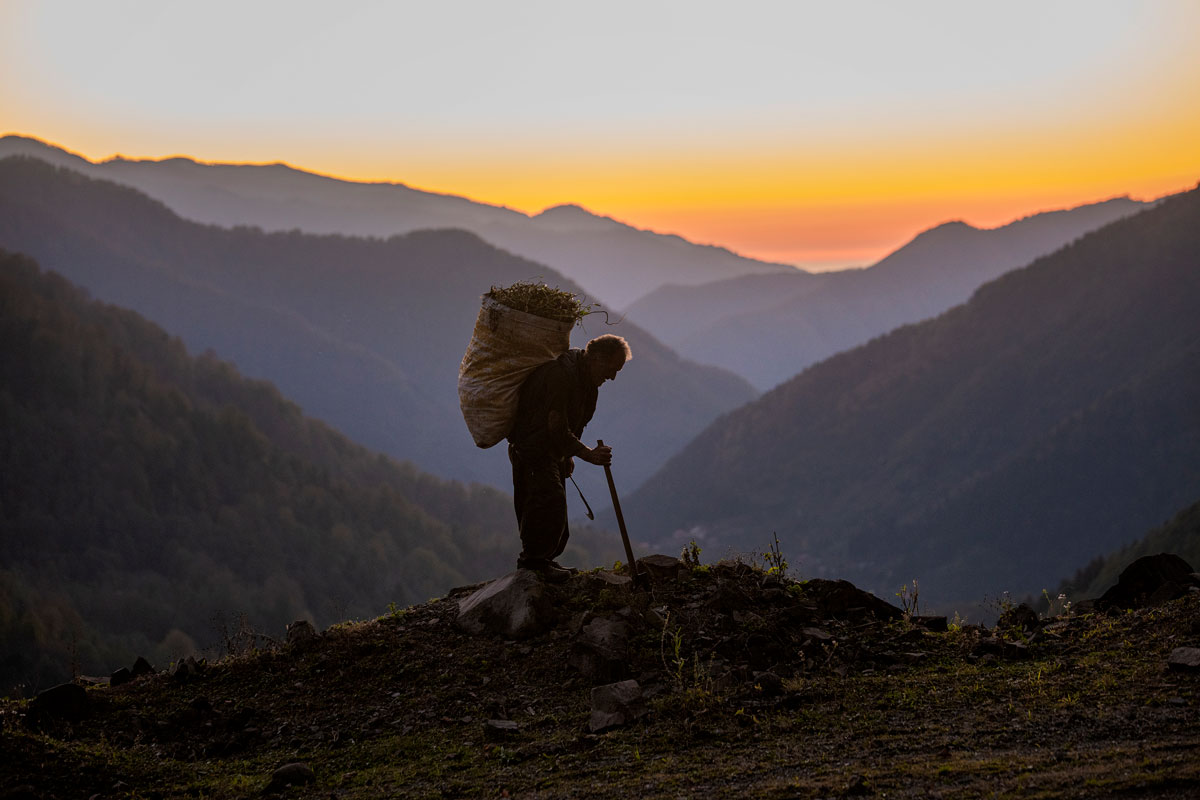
(568, 467)
(600, 455)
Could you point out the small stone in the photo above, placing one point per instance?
(857, 786)
(609, 578)
(300, 631)
(1017, 651)
(1184, 658)
(932, 623)
(601, 652)
(616, 704)
(768, 683)
(297, 774)
(661, 567)
(121, 676)
(1021, 617)
(495, 730)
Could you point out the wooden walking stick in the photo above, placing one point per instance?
(638, 578)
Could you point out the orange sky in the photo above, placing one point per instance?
(807, 133)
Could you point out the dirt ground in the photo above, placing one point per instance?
(754, 685)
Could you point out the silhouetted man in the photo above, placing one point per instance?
(557, 400)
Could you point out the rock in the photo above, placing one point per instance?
(141, 667)
(66, 701)
(1150, 580)
(661, 567)
(857, 787)
(616, 704)
(296, 774)
(1021, 617)
(935, 624)
(609, 578)
(1184, 658)
(301, 631)
(515, 606)
(768, 684)
(844, 600)
(121, 676)
(1017, 651)
(601, 652)
(186, 669)
(495, 730)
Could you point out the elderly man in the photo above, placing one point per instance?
(557, 400)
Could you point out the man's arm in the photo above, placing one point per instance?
(560, 434)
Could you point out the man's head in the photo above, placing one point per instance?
(605, 355)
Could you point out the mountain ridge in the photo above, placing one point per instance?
(620, 264)
(777, 326)
(872, 452)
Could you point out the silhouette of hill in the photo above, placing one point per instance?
(614, 262)
(993, 448)
(768, 328)
(146, 492)
(366, 334)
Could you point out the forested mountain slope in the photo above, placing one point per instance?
(1054, 416)
(366, 334)
(144, 492)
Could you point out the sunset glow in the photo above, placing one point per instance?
(794, 133)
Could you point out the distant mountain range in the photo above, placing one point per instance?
(1054, 416)
(613, 262)
(767, 328)
(366, 334)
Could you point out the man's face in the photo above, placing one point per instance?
(606, 369)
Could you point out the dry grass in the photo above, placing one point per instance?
(541, 300)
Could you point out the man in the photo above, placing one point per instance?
(557, 400)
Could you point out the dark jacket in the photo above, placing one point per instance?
(561, 386)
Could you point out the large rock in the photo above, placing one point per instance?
(67, 701)
(1149, 580)
(616, 704)
(601, 651)
(515, 606)
(844, 600)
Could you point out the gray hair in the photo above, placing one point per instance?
(608, 346)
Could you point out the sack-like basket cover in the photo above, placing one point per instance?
(505, 347)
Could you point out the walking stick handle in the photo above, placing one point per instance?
(612, 489)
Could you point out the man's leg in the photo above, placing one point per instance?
(540, 500)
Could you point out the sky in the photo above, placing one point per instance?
(819, 134)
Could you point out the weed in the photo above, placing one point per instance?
(674, 663)
(238, 637)
(909, 600)
(691, 554)
(1057, 607)
(776, 563)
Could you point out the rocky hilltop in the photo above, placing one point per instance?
(703, 681)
